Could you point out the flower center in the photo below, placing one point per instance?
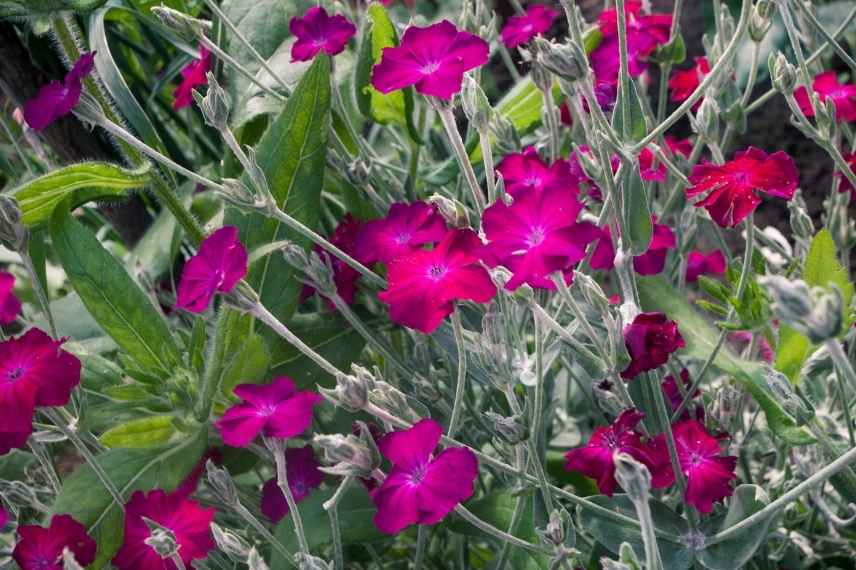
(40, 562)
(402, 238)
(536, 237)
(436, 272)
(534, 181)
(429, 68)
(418, 474)
(15, 374)
(696, 459)
(266, 410)
(299, 488)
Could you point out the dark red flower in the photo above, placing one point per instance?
(303, 476)
(41, 548)
(683, 83)
(700, 263)
(826, 86)
(194, 74)
(650, 339)
(731, 187)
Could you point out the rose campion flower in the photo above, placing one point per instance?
(708, 472)
(647, 170)
(432, 59)
(731, 187)
(423, 285)
(826, 86)
(595, 459)
(700, 263)
(421, 488)
(275, 410)
(10, 306)
(34, 371)
(521, 28)
(194, 74)
(651, 262)
(344, 276)
(526, 171)
(217, 267)
(844, 185)
(56, 100)
(189, 522)
(303, 477)
(41, 548)
(683, 83)
(406, 228)
(317, 31)
(536, 236)
(650, 339)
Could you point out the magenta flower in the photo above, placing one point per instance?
(731, 187)
(708, 473)
(650, 339)
(10, 306)
(406, 228)
(647, 169)
(276, 410)
(424, 284)
(189, 522)
(826, 86)
(218, 266)
(520, 29)
(683, 147)
(525, 171)
(844, 185)
(194, 74)
(4, 517)
(700, 263)
(421, 488)
(345, 277)
(683, 83)
(34, 371)
(536, 236)
(41, 548)
(318, 31)
(56, 99)
(303, 476)
(653, 261)
(596, 458)
(433, 59)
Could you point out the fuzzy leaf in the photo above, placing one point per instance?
(144, 432)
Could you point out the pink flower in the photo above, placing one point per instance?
(520, 29)
(708, 473)
(10, 306)
(345, 238)
(406, 228)
(4, 517)
(826, 86)
(56, 99)
(423, 285)
(844, 185)
(41, 548)
(595, 459)
(700, 263)
(683, 83)
(218, 266)
(421, 488)
(536, 236)
(194, 74)
(34, 371)
(433, 59)
(303, 476)
(647, 170)
(651, 262)
(317, 31)
(525, 171)
(731, 186)
(275, 410)
(650, 339)
(189, 522)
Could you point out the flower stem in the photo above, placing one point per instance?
(552, 123)
(332, 508)
(536, 437)
(491, 530)
(277, 447)
(458, 405)
(840, 360)
(245, 514)
(448, 120)
(489, 168)
(421, 541)
(39, 289)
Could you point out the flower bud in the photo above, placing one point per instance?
(727, 404)
(559, 532)
(824, 117)
(541, 77)
(512, 430)
(761, 19)
(236, 192)
(801, 223)
(349, 454)
(161, 539)
(783, 392)
(566, 61)
(452, 211)
(13, 233)
(229, 543)
(592, 292)
(358, 173)
(221, 482)
(89, 111)
(214, 104)
(476, 105)
(633, 477)
(505, 135)
(816, 313)
(782, 73)
(627, 559)
(389, 398)
(352, 390)
(706, 120)
(255, 560)
(179, 22)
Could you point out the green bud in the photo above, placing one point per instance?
(352, 390)
(214, 105)
(476, 105)
(222, 483)
(565, 61)
(761, 19)
(229, 543)
(347, 455)
(706, 120)
(782, 73)
(513, 430)
(633, 477)
(187, 27)
(13, 233)
(783, 392)
(453, 212)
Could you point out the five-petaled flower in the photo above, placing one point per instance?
(10, 306)
(536, 236)
(344, 276)
(432, 59)
(303, 476)
(185, 519)
(700, 263)
(406, 228)
(217, 267)
(41, 548)
(276, 410)
(424, 285)
(596, 458)
(421, 488)
(650, 339)
(684, 82)
(521, 28)
(194, 74)
(826, 86)
(651, 262)
(317, 31)
(731, 187)
(525, 171)
(55, 100)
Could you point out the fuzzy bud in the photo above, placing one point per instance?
(761, 19)
(214, 105)
(452, 211)
(221, 482)
(727, 404)
(255, 560)
(817, 312)
(161, 539)
(706, 120)
(229, 543)
(506, 136)
(783, 392)
(476, 105)
(567, 61)
(349, 454)
(627, 559)
(801, 222)
(782, 72)
(512, 429)
(13, 233)
(633, 477)
(309, 562)
(236, 193)
(352, 390)
(389, 398)
(179, 22)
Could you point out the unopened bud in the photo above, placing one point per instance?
(214, 104)
(633, 477)
(824, 116)
(89, 111)
(567, 61)
(452, 211)
(236, 192)
(816, 313)
(801, 222)
(592, 292)
(706, 120)
(352, 390)
(512, 429)
(358, 173)
(391, 399)
(161, 539)
(627, 560)
(505, 135)
(229, 543)
(761, 19)
(559, 531)
(13, 233)
(783, 392)
(782, 73)
(541, 77)
(221, 482)
(348, 455)
(476, 105)
(187, 27)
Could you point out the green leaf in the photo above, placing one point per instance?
(79, 183)
(637, 211)
(247, 363)
(42, 8)
(82, 496)
(141, 433)
(700, 337)
(735, 552)
(674, 52)
(612, 534)
(628, 120)
(355, 514)
(113, 299)
(292, 154)
(792, 351)
(822, 269)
